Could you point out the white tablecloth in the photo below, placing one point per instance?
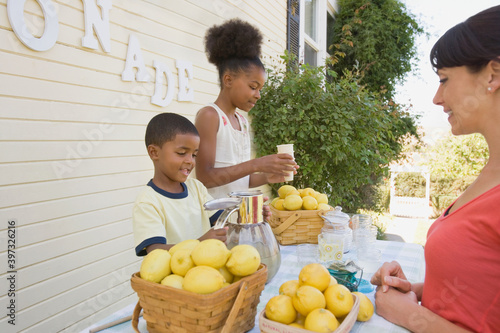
(410, 256)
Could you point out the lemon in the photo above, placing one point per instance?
(237, 278)
(244, 260)
(296, 325)
(308, 191)
(300, 191)
(226, 284)
(293, 202)
(155, 265)
(210, 252)
(280, 308)
(338, 300)
(203, 280)
(321, 320)
(315, 275)
(308, 298)
(309, 203)
(283, 190)
(293, 192)
(279, 204)
(181, 261)
(321, 198)
(274, 201)
(185, 244)
(324, 206)
(173, 280)
(289, 288)
(332, 281)
(300, 319)
(226, 274)
(365, 307)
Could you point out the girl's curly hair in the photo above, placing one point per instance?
(233, 46)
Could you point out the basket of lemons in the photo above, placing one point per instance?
(199, 287)
(296, 216)
(315, 302)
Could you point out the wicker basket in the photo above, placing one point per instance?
(230, 309)
(269, 326)
(297, 226)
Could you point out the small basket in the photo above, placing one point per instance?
(269, 326)
(296, 226)
(168, 309)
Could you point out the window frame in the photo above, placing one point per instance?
(323, 8)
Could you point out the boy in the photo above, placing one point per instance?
(170, 208)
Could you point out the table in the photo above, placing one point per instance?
(409, 255)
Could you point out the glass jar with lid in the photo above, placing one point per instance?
(337, 223)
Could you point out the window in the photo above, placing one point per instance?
(316, 19)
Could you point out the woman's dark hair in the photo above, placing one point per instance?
(233, 46)
(473, 43)
(165, 126)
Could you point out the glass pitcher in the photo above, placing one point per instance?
(248, 226)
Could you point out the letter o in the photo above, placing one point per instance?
(15, 12)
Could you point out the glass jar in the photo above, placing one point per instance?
(337, 223)
(365, 233)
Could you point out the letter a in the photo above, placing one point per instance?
(134, 60)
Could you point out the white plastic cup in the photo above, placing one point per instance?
(287, 149)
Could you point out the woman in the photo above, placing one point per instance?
(461, 291)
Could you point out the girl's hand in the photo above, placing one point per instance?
(277, 164)
(390, 274)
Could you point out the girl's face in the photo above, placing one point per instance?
(246, 86)
(462, 96)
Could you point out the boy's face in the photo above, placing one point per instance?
(175, 159)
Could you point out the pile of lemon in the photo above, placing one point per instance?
(291, 198)
(315, 302)
(201, 267)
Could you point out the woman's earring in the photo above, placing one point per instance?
(489, 89)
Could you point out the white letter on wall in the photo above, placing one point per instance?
(15, 12)
(185, 72)
(134, 60)
(94, 22)
(162, 70)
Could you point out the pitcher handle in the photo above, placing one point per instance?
(221, 221)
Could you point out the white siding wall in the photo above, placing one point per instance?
(72, 157)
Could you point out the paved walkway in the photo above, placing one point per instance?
(404, 227)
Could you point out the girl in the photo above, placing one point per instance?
(223, 162)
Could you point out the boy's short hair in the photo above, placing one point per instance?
(165, 126)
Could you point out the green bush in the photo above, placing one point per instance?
(344, 135)
(454, 162)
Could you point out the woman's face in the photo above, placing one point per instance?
(462, 94)
(246, 87)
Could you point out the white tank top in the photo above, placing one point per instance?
(233, 147)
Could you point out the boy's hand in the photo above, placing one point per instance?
(266, 211)
(219, 234)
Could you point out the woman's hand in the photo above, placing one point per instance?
(395, 306)
(390, 274)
